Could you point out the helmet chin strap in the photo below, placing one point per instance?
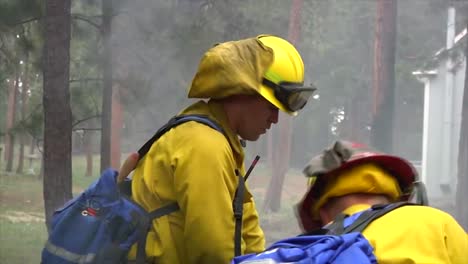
(243, 142)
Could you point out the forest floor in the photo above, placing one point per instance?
(22, 225)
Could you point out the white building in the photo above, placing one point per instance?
(444, 79)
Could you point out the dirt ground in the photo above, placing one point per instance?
(281, 224)
(24, 207)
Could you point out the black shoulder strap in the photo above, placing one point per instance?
(126, 186)
(175, 121)
(366, 217)
(238, 205)
(141, 246)
(172, 207)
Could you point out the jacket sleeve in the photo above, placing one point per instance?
(252, 233)
(205, 182)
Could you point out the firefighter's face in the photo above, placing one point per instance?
(257, 117)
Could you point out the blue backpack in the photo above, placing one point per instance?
(101, 224)
(318, 249)
(340, 242)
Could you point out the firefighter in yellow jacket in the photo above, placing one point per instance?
(246, 82)
(349, 178)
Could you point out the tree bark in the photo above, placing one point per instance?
(356, 117)
(116, 128)
(462, 182)
(281, 162)
(269, 149)
(88, 148)
(24, 109)
(106, 115)
(32, 147)
(384, 76)
(57, 181)
(10, 120)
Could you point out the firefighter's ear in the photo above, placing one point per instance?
(128, 166)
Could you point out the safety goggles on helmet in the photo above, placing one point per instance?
(292, 95)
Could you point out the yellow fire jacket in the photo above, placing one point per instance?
(416, 234)
(194, 165)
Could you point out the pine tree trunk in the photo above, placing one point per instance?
(24, 109)
(106, 115)
(116, 128)
(384, 76)
(57, 183)
(40, 175)
(20, 166)
(281, 164)
(31, 152)
(88, 148)
(10, 120)
(269, 149)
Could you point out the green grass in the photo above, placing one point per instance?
(79, 180)
(21, 242)
(22, 226)
(23, 231)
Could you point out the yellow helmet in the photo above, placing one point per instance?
(282, 84)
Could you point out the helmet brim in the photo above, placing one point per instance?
(269, 95)
(401, 169)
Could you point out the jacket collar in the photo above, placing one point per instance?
(215, 111)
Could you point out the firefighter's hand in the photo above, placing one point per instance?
(128, 166)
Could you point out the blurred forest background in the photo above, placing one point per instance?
(84, 82)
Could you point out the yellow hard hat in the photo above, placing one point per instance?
(266, 64)
(282, 84)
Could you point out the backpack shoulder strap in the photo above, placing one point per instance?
(141, 245)
(238, 208)
(125, 186)
(175, 121)
(364, 219)
(172, 207)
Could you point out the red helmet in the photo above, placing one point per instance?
(344, 155)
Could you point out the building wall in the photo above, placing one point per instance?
(442, 131)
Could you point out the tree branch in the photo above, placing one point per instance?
(4, 50)
(27, 21)
(86, 129)
(85, 80)
(86, 19)
(85, 119)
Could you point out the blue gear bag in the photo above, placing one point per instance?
(101, 224)
(317, 249)
(339, 242)
(98, 226)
